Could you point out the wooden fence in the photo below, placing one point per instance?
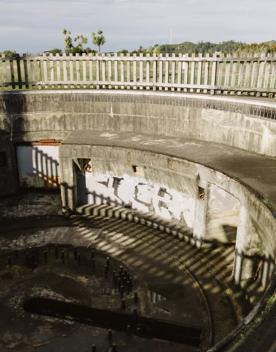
(217, 74)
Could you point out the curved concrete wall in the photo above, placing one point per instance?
(256, 225)
(243, 123)
(239, 122)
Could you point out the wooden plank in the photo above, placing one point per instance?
(134, 70)
(147, 71)
(77, 65)
(45, 68)
(12, 74)
(160, 71)
(32, 64)
(1, 69)
(154, 72)
(240, 75)
(234, 74)
(179, 69)
(52, 77)
(254, 76)
(206, 72)
(220, 70)
(58, 68)
(141, 68)
(71, 68)
(192, 73)
(173, 69)
(128, 69)
(164, 58)
(227, 71)
(185, 71)
(199, 72)
(266, 74)
(64, 69)
(19, 74)
(90, 65)
(166, 73)
(122, 73)
(272, 84)
(214, 75)
(260, 75)
(97, 71)
(115, 68)
(103, 71)
(142, 85)
(25, 70)
(248, 70)
(84, 68)
(109, 70)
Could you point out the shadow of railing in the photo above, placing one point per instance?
(106, 206)
(260, 269)
(46, 168)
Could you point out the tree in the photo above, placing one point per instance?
(55, 51)
(68, 41)
(98, 39)
(80, 40)
(9, 53)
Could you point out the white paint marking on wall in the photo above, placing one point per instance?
(141, 195)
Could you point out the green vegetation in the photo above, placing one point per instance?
(227, 47)
(98, 39)
(76, 45)
(55, 51)
(9, 53)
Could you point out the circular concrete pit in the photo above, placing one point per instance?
(163, 238)
(161, 303)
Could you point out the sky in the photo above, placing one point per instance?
(36, 25)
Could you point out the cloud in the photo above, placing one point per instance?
(32, 25)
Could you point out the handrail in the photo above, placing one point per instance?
(216, 74)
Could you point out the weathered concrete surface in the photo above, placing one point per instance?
(165, 161)
(255, 171)
(38, 165)
(240, 122)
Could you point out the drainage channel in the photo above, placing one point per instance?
(130, 323)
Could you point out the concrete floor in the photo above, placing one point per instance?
(198, 282)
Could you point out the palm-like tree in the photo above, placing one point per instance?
(68, 42)
(98, 39)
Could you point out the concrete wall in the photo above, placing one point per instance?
(222, 215)
(255, 223)
(137, 193)
(232, 121)
(38, 165)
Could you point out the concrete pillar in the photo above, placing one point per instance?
(8, 168)
(245, 254)
(268, 268)
(68, 185)
(201, 206)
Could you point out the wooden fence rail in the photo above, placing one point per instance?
(217, 74)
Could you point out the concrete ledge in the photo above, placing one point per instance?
(245, 123)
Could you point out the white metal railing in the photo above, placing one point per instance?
(201, 74)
